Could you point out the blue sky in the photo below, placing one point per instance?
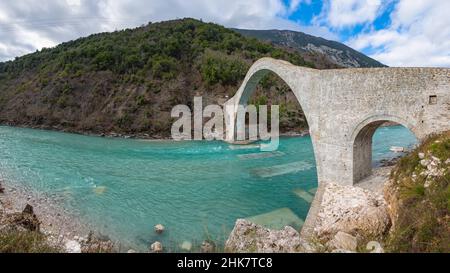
(395, 32)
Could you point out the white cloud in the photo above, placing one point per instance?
(419, 35)
(28, 25)
(348, 13)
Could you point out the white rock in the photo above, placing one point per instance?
(159, 228)
(72, 246)
(130, 251)
(248, 237)
(352, 210)
(343, 240)
(186, 245)
(447, 161)
(421, 155)
(374, 247)
(424, 162)
(156, 247)
(436, 160)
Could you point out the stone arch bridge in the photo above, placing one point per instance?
(344, 107)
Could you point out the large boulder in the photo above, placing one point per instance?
(351, 210)
(248, 237)
(72, 246)
(22, 221)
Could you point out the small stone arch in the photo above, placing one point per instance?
(361, 141)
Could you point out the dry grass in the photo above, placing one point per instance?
(25, 242)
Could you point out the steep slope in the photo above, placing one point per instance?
(418, 194)
(316, 47)
(127, 82)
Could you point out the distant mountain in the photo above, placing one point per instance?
(335, 52)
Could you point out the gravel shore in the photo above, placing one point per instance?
(59, 224)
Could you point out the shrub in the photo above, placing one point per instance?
(219, 68)
(25, 242)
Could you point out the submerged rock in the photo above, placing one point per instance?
(248, 237)
(186, 245)
(352, 210)
(207, 247)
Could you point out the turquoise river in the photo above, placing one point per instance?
(197, 190)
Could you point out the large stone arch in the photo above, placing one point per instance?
(299, 79)
(284, 70)
(339, 103)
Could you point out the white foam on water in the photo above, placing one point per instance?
(282, 169)
(308, 197)
(277, 219)
(261, 155)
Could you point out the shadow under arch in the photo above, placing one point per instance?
(362, 140)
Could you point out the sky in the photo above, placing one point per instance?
(394, 32)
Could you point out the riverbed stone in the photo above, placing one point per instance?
(156, 247)
(186, 245)
(159, 228)
(207, 247)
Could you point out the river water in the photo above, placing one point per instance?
(196, 189)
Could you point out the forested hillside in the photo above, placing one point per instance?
(127, 82)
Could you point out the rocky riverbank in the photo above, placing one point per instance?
(350, 219)
(28, 215)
